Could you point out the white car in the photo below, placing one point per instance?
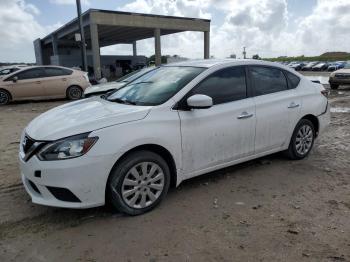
(176, 122)
(104, 88)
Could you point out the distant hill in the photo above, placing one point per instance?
(335, 54)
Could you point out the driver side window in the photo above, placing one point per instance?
(223, 86)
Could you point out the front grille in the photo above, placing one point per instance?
(342, 75)
(27, 143)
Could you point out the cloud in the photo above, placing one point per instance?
(18, 31)
(262, 26)
(69, 2)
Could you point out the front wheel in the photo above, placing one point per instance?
(302, 140)
(74, 93)
(138, 183)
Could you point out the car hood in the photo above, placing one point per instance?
(104, 87)
(83, 116)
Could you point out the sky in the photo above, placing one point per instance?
(269, 28)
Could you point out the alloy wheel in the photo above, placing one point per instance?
(74, 93)
(304, 139)
(143, 185)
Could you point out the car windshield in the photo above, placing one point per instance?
(134, 75)
(347, 66)
(156, 86)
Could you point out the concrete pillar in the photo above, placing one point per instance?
(54, 45)
(206, 44)
(95, 48)
(158, 55)
(134, 48)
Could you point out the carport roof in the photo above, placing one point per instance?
(115, 27)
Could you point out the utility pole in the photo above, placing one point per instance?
(244, 53)
(82, 35)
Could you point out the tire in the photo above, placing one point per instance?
(5, 97)
(299, 142)
(74, 93)
(334, 86)
(127, 189)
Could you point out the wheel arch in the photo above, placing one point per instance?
(74, 85)
(157, 149)
(314, 121)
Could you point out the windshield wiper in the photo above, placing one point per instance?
(121, 101)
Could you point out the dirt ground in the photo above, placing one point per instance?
(270, 209)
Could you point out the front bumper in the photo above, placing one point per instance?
(85, 177)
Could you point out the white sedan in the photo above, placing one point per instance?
(173, 123)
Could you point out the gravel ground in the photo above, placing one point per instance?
(270, 209)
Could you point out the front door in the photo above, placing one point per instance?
(224, 132)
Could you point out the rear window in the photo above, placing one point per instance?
(293, 80)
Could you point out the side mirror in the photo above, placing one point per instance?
(14, 79)
(199, 102)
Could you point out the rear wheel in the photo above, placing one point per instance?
(138, 183)
(5, 97)
(74, 93)
(302, 140)
(334, 86)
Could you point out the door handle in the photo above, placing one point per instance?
(38, 82)
(244, 115)
(293, 105)
(64, 79)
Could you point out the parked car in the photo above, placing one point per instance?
(298, 66)
(340, 77)
(320, 66)
(101, 89)
(176, 122)
(336, 65)
(39, 82)
(309, 66)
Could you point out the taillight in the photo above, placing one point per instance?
(325, 92)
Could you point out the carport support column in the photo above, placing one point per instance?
(206, 44)
(95, 48)
(54, 45)
(158, 55)
(134, 48)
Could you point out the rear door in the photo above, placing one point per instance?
(28, 84)
(224, 132)
(276, 108)
(56, 81)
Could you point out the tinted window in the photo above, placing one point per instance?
(31, 73)
(5, 71)
(293, 80)
(224, 86)
(52, 71)
(267, 80)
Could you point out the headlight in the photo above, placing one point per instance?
(69, 147)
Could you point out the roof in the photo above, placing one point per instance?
(213, 62)
(117, 27)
